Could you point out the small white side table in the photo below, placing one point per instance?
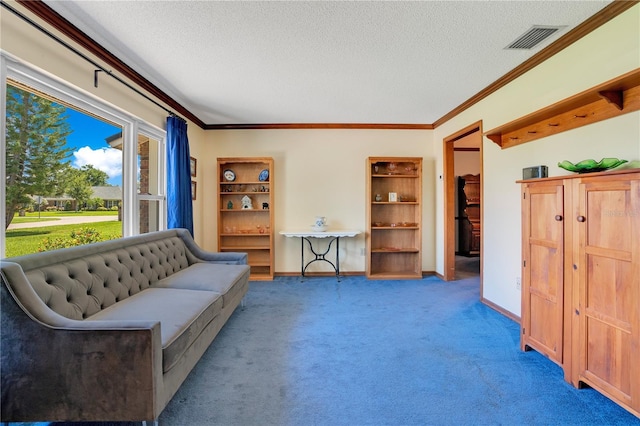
(307, 235)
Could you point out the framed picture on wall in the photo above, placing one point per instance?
(193, 163)
(193, 190)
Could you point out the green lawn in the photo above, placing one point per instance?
(27, 240)
(18, 219)
(55, 213)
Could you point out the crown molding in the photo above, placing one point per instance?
(271, 126)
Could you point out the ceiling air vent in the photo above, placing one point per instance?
(533, 37)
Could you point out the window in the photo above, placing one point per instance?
(150, 185)
(132, 156)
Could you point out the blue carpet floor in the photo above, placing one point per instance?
(359, 352)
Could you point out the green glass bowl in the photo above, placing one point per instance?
(591, 166)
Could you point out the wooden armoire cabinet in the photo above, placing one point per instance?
(581, 279)
(469, 215)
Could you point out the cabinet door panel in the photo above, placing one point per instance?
(544, 281)
(543, 333)
(543, 250)
(546, 203)
(610, 216)
(608, 264)
(609, 291)
(608, 357)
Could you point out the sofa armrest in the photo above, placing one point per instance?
(58, 369)
(233, 258)
(228, 257)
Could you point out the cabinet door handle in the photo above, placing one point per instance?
(581, 218)
(559, 218)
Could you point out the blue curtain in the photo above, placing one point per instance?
(179, 204)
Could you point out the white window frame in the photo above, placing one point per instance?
(13, 68)
(160, 136)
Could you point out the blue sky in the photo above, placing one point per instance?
(89, 146)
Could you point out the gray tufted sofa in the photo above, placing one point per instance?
(109, 331)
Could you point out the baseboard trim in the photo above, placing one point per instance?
(345, 274)
(319, 274)
(500, 310)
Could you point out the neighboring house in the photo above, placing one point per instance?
(110, 195)
(59, 203)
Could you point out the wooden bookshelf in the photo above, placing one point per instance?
(394, 218)
(243, 228)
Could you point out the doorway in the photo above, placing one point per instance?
(461, 150)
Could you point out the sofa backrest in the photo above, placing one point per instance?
(80, 281)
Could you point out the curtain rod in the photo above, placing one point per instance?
(86, 58)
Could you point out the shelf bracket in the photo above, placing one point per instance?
(496, 138)
(614, 97)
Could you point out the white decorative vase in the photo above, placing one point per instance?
(320, 224)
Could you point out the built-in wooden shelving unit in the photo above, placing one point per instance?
(611, 99)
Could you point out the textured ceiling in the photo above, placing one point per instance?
(237, 62)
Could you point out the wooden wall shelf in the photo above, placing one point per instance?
(611, 99)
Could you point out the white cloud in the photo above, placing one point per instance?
(109, 160)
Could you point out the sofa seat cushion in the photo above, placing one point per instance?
(218, 278)
(183, 315)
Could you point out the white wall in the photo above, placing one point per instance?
(606, 53)
(320, 172)
(466, 163)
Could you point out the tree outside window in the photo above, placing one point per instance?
(48, 173)
(35, 149)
